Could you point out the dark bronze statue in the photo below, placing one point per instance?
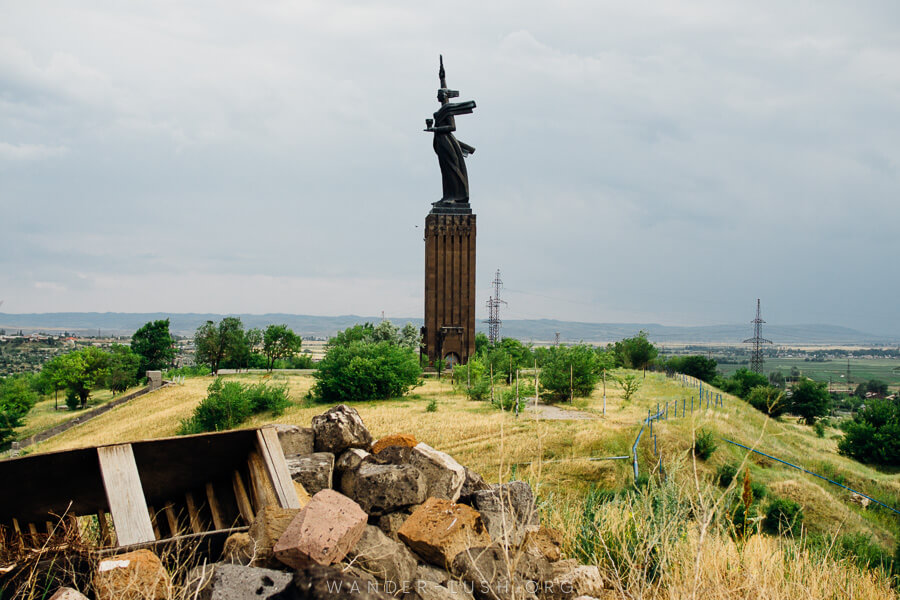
(451, 152)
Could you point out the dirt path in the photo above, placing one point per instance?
(554, 413)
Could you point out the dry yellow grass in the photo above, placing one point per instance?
(551, 454)
(45, 415)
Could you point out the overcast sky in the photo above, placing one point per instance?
(636, 161)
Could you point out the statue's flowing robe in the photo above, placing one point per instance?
(454, 176)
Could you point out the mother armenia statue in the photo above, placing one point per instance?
(451, 152)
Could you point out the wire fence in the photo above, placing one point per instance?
(714, 400)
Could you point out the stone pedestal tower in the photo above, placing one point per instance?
(449, 330)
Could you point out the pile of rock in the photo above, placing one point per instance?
(393, 518)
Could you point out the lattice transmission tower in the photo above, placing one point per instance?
(756, 360)
(493, 305)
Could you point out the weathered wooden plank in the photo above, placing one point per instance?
(193, 513)
(263, 491)
(154, 523)
(214, 508)
(279, 475)
(243, 501)
(174, 529)
(103, 524)
(125, 494)
(20, 542)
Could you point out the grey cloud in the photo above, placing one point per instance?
(648, 161)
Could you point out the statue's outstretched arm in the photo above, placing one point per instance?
(443, 129)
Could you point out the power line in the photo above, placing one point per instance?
(756, 360)
(493, 305)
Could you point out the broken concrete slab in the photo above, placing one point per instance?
(428, 590)
(398, 439)
(444, 475)
(137, 575)
(239, 549)
(391, 522)
(324, 531)
(438, 530)
(229, 582)
(296, 440)
(381, 489)
(67, 593)
(318, 582)
(313, 471)
(384, 558)
(473, 483)
(509, 511)
(340, 428)
(267, 528)
(545, 542)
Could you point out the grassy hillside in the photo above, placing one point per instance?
(552, 455)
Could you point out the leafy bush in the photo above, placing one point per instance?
(704, 444)
(73, 402)
(810, 400)
(725, 474)
(432, 405)
(783, 516)
(569, 367)
(272, 398)
(363, 370)
(194, 371)
(226, 406)
(819, 428)
(635, 352)
(506, 398)
(768, 399)
(760, 490)
(698, 366)
(742, 382)
(864, 551)
(630, 384)
(16, 399)
(873, 436)
(230, 403)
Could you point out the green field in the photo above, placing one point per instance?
(861, 369)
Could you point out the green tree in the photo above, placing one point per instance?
(742, 382)
(358, 333)
(810, 400)
(83, 370)
(873, 436)
(123, 368)
(566, 367)
(216, 343)
(386, 331)
(154, 345)
(768, 399)
(481, 341)
(16, 399)
(630, 384)
(696, 365)
(53, 373)
(410, 337)
(279, 341)
(635, 352)
(365, 371)
(776, 379)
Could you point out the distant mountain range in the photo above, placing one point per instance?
(537, 330)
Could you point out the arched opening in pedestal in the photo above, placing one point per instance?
(451, 360)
